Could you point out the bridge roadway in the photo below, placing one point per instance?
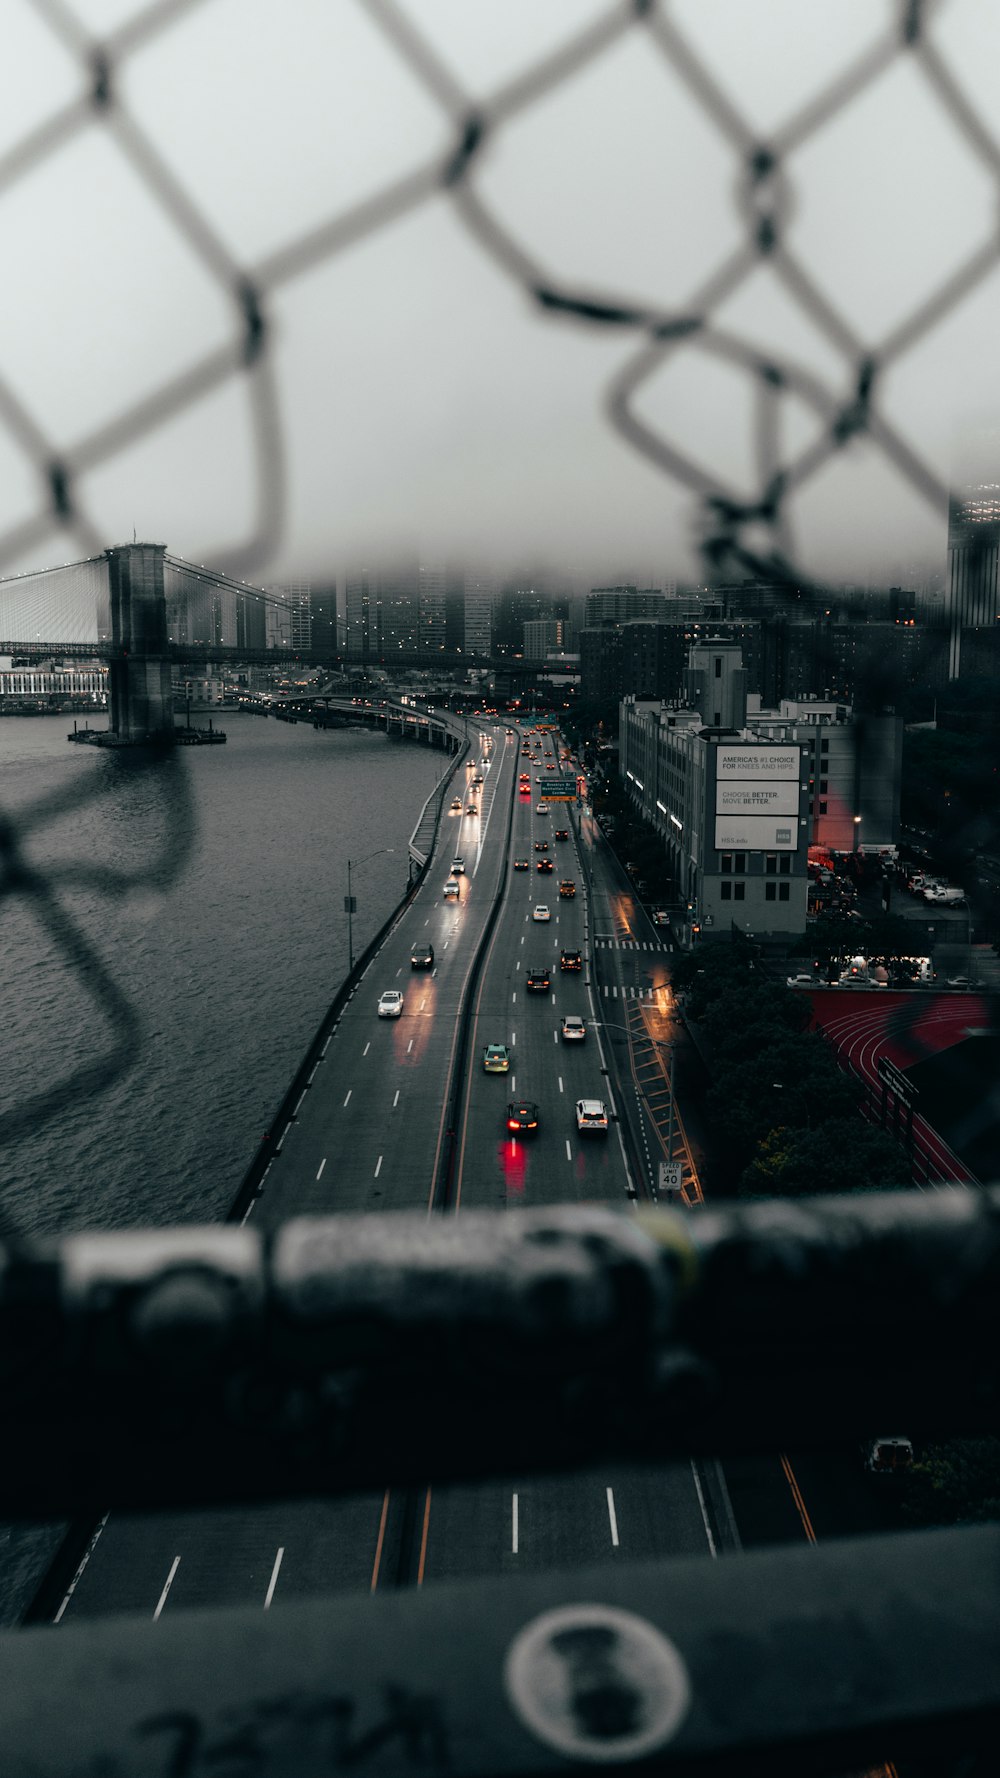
(368, 1136)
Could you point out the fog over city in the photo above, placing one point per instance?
(410, 392)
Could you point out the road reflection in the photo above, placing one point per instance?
(514, 1167)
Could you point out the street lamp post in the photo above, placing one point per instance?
(350, 905)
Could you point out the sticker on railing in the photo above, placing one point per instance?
(597, 1683)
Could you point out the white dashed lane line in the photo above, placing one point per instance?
(321, 1166)
(349, 1092)
(396, 1100)
(367, 1047)
(613, 1517)
(569, 1151)
(161, 1602)
(378, 1166)
(272, 1583)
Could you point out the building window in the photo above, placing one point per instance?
(824, 746)
(739, 891)
(770, 864)
(810, 808)
(822, 808)
(823, 786)
(726, 891)
(740, 864)
(784, 891)
(718, 666)
(727, 862)
(785, 865)
(770, 891)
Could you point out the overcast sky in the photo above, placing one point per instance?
(423, 397)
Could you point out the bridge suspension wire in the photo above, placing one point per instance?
(66, 605)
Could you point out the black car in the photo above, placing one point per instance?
(422, 957)
(562, 833)
(570, 960)
(538, 981)
(541, 845)
(544, 864)
(522, 1116)
(520, 864)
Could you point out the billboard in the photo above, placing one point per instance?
(755, 833)
(781, 798)
(757, 764)
(757, 799)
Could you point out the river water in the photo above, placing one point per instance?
(187, 911)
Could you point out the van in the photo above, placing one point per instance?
(451, 889)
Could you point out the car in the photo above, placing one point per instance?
(470, 809)
(567, 888)
(520, 864)
(541, 912)
(522, 1116)
(456, 807)
(496, 1058)
(660, 917)
(570, 960)
(962, 983)
(592, 1116)
(802, 980)
(390, 1005)
(458, 865)
(539, 981)
(574, 1029)
(451, 889)
(541, 845)
(887, 1460)
(422, 957)
(545, 864)
(561, 833)
(542, 809)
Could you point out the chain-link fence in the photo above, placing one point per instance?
(741, 535)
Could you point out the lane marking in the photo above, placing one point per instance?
(613, 1517)
(161, 1602)
(321, 1166)
(513, 1039)
(421, 1565)
(560, 1083)
(272, 1583)
(301, 1096)
(513, 1525)
(409, 1046)
(569, 1151)
(797, 1497)
(513, 997)
(367, 1047)
(396, 1100)
(349, 1092)
(380, 1541)
(246, 1214)
(704, 1510)
(74, 1583)
(378, 1166)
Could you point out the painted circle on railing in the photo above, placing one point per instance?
(597, 1683)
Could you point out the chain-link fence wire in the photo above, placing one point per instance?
(739, 536)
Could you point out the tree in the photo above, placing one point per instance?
(834, 938)
(956, 1483)
(839, 1155)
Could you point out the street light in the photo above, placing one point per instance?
(857, 833)
(350, 905)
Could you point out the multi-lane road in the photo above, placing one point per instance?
(380, 1128)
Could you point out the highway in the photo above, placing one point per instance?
(372, 1133)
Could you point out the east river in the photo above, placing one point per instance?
(203, 897)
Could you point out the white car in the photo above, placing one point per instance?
(592, 1114)
(458, 867)
(391, 1004)
(802, 980)
(541, 912)
(542, 809)
(574, 1029)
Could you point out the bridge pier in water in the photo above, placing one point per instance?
(142, 703)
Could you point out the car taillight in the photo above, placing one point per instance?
(512, 1123)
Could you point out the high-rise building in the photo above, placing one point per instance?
(363, 615)
(431, 607)
(479, 594)
(289, 625)
(972, 601)
(616, 604)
